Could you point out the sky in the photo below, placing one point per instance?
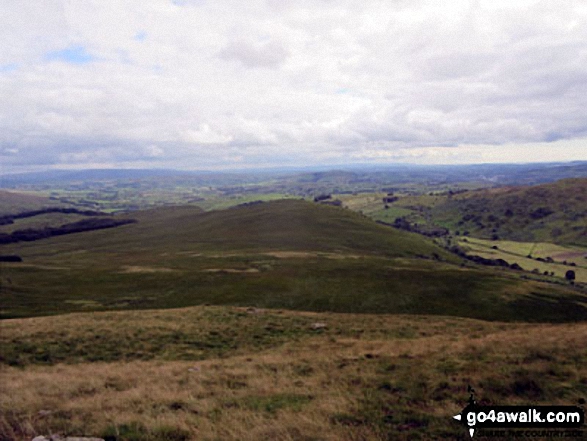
(213, 84)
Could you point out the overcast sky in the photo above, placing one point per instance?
(203, 84)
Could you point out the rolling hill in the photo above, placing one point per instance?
(12, 202)
(242, 363)
(554, 212)
(284, 254)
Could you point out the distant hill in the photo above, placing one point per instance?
(348, 176)
(292, 225)
(554, 212)
(284, 254)
(54, 176)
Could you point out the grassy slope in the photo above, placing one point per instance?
(12, 202)
(283, 254)
(42, 221)
(565, 199)
(218, 373)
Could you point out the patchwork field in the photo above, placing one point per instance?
(574, 258)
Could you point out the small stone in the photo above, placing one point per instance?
(318, 325)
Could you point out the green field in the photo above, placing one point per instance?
(519, 252)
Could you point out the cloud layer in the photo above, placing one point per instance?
(199, 84)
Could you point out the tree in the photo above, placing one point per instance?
(570, 275)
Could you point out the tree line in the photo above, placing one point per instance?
(32, 234)
(9, 218)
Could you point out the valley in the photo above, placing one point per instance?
(274, 315)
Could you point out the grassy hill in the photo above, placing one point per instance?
(12, 202)
(283, 254)
(554, 212)
(293, 225)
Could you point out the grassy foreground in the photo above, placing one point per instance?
(226, 373)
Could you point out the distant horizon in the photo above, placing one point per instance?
(303, 168)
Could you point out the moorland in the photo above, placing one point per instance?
(307, 305)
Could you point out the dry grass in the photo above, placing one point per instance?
(230, 270)
(132, 269)
(362, 378)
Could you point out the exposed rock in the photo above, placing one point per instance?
(318, 325)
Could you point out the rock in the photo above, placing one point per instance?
(318, 325)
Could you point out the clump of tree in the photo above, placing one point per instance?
(249, 204)
(322, 197)
(570, 276)
(9, 218)
(540, 213)
(10, 258)
(31, 234)
(425, 230)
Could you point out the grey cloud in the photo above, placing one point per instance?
(243, 81)
(266, 54)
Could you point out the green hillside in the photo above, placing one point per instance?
(280, 225)
(12, 202)
(555, 212)
(283, 254)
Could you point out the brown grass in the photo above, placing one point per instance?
(231, 270)
(132, 269)
(335, 384)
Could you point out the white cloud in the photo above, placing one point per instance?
(227, 82)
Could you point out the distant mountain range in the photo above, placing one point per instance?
(498, 174)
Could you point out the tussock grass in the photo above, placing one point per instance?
(362, 377)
